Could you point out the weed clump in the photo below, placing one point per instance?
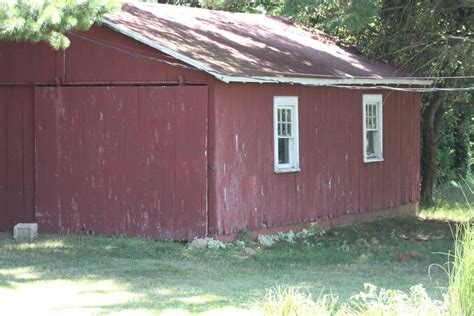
(293, 301)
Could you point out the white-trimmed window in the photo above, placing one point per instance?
(372, 122)
(285, 124)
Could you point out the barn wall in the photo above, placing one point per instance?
(16, 156)
(22, 63)
(122, 160)
(103, 55)
(99, 57)
(333, 180)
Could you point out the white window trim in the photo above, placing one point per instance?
(372, 98)
(285, 101)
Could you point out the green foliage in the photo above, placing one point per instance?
(48, 20)
(291, 237)
(215, 244)
(456, 139)
(228, 5)
(324, 14)
(334, 16)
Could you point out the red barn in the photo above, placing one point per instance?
(173, 122)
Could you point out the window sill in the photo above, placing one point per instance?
(287, 170)
(373, 160)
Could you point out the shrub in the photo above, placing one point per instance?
(291, 237)
(266, 240)
(239, 244)
(215, 244)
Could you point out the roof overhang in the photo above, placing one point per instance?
(314, 81)
(308, 80)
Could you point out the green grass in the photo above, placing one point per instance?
(100, 275)
(105, 275)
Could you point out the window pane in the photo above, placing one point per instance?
(371, 120)
(283, 151)
(288, 129)
(288, 116)
(371, 144)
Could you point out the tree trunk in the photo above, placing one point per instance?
(430, 147)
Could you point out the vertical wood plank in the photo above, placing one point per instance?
(4, 220)
(28, 144)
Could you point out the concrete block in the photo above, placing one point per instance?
(25, 231)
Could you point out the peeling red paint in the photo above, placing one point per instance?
(125, 143)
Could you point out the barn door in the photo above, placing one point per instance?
(16, 156)
(122, 160)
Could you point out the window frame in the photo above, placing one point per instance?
(378, 99)
(286, 102)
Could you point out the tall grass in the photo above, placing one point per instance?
(294, 301)
(461, 272)
(373, 302)
(459, 299)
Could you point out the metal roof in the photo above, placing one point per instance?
(240, 47)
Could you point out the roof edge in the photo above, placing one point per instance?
(325, 81)
(314, 81)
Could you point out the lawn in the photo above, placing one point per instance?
(100, 275)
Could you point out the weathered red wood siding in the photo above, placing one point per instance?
(122, 160)
(105, 58)
(16, 156)
(243, 191)
(246, 193)
(22, 63)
